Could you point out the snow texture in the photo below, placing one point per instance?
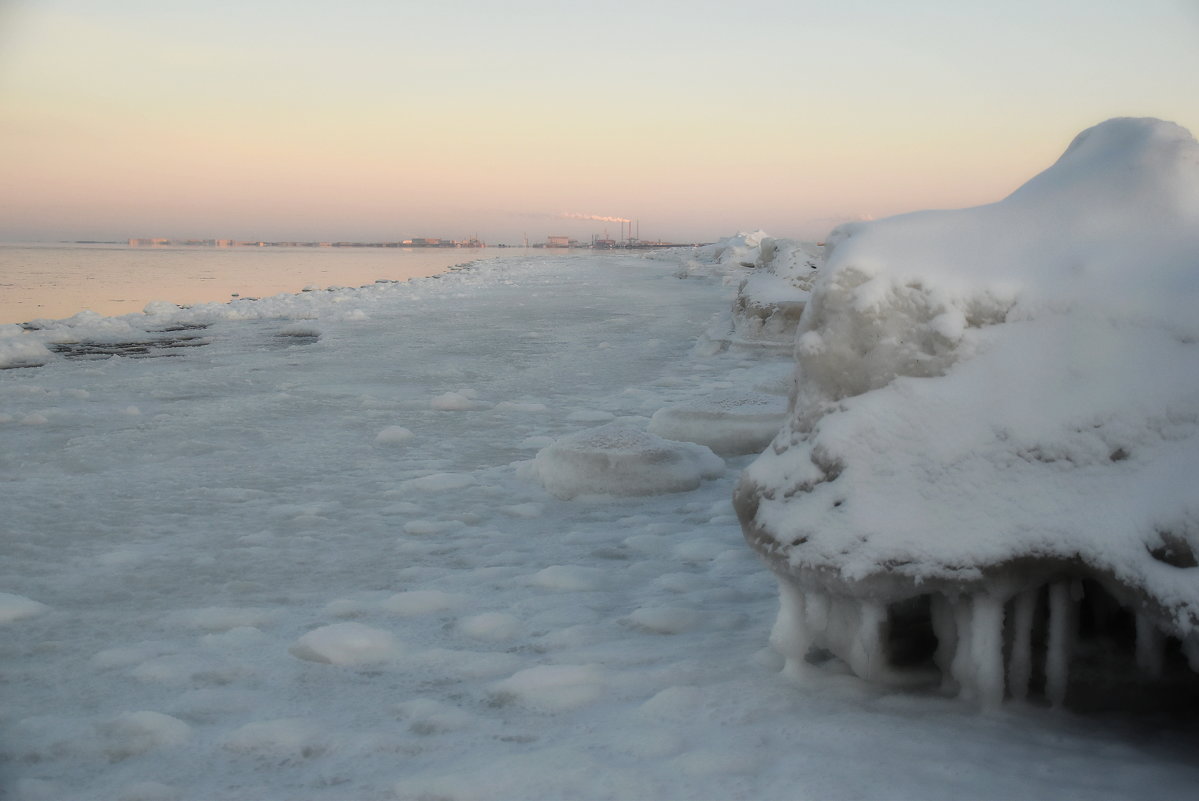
(997, 401)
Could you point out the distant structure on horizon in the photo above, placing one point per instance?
(416, 242)
(630, 240)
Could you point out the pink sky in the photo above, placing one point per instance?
(145, 119)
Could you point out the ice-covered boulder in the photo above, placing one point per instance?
(995, 433)
(730, 423)
(617, 459)
(742, 249)
(772, 296)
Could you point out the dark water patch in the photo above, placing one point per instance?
(158, 347)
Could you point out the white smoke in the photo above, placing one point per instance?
(569, 215)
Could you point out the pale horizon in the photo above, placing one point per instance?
(380, 123)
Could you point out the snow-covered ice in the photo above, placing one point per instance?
(996, 415)
(246, 592)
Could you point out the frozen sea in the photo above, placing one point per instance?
(51, 281)
(304, 558)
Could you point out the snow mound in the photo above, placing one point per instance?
(454, 402)
(730, 422)
(393, 435)
(346, 644)
(617, 459)
(995, 416)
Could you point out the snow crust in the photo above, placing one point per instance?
(989, 396)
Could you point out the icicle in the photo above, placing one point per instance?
(987, 649)
(947, 639)
(1020, 662)
(1190, 648)
(789, 636)
(816, 611)
(1151, 646)
(962, 666)
(1057, 648)
(867, 654)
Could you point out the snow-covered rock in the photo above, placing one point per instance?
(617, 459)
(997, 413)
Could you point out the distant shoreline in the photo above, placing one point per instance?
(598, 244)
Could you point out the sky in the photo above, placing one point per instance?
(378, 120)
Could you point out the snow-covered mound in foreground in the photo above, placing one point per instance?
(617, 459)
(996, 419)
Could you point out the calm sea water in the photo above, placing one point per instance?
(56, 281)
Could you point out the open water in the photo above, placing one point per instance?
(53, 281)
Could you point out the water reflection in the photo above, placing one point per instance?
(56, 281)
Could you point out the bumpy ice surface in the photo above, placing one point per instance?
(301, 561)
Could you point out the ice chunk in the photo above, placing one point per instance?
(728, 422)
(552, 688)
(440, 482)
(617, 459)
(453, 402)
(393, 435)
(346, 644)
(17, 349)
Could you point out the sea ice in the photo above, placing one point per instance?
(616, 459)
(729, 422)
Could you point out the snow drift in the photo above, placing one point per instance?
(994, 432)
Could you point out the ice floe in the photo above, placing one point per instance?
(617, 459)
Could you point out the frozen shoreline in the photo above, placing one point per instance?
(302, 561)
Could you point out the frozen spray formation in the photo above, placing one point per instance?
(776, 278)
(989, 464)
